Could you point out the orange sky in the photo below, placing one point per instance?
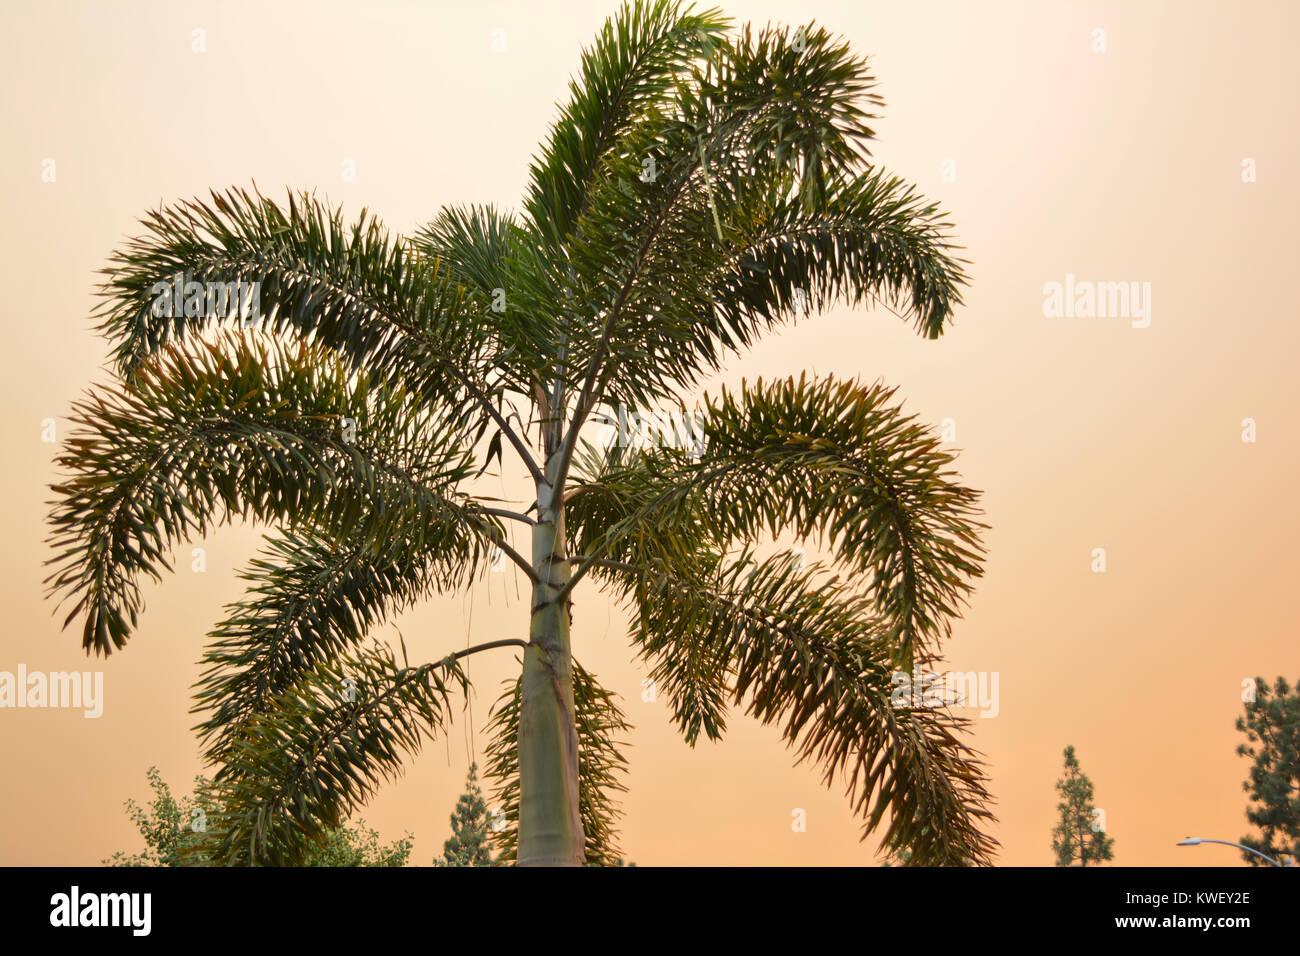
(1115, 166)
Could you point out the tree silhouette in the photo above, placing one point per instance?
(1272, 728)
(469, 843)
(1078, 837)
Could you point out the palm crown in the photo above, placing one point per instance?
(700, 188)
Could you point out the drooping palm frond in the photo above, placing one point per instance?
(352, 289)
(872, 240)
(211, 431)
(758, 206)
(312, 598)
(803, 650)
(815, 458)
(824, 460)
(601, 766)
(299, 769)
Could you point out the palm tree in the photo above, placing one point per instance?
(701, 188)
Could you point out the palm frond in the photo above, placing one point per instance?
(873, 240)
(497, 259)
(211, 431)
(351, 288)
(300, 768)
(474, 245)
(311, 598)
(633, 67)
(820, 459)
(804, 651)
(768, 129)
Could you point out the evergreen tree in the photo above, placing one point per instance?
(468, 844)
(1077, 836)
(1272, 728)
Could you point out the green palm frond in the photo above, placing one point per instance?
(497, 259)
(311, 598)
(601, 766)
(211, 431)
(873, 240)
(474, 244)
(825, 459)
(299, 769)
(350, 288)
(630, 71)
(804, 651)
(767, 130)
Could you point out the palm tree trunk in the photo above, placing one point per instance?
(550, 826)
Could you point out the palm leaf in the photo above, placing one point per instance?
(312, 598)
(213, 431)
(805, 652)
(299, 769)
(823, 459)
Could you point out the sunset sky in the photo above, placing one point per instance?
(1161, 151)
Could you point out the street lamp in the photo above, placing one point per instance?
(1197, 841)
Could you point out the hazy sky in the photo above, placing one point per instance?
(1168, 158)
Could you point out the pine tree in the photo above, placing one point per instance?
(1078, 836)
(1272, 727)
(468, 844)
